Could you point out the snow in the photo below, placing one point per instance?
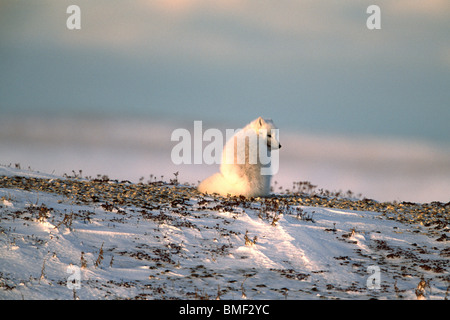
(199, 250)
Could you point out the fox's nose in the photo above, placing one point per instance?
(279, 145)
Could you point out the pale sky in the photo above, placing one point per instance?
(311, 65)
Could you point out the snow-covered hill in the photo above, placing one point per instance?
(166, 241)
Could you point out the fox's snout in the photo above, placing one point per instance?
(269, 145)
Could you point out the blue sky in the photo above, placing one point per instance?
(312, 66)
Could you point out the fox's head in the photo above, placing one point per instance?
(267, 128)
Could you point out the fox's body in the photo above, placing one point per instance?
(242, 169)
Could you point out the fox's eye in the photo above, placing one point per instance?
(269, 136)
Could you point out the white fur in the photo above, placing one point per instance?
(243, 179)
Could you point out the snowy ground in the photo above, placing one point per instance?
(203, 247)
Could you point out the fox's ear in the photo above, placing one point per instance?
(260, 121)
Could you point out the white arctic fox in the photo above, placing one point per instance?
(243, 170)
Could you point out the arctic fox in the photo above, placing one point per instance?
(242, 170)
